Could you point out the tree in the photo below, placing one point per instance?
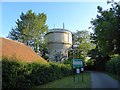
(106, 28)
(82, 39)
(106, 36)
(30, 29)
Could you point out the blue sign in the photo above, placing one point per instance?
(77, 63)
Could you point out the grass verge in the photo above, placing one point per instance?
(68, 82)
(114, 76)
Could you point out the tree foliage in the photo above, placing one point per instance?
(82, 39)
(106, 28)
(30, 29)
(106, 36)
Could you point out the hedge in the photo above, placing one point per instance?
(113, 65)
(25, 75)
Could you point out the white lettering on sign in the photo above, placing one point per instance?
(77, 63)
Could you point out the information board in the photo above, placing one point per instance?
(77, 63)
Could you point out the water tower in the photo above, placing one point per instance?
(59, 42)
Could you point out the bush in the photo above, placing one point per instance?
(25, 75)
(89, 64)
(68, 61)
(113, 65)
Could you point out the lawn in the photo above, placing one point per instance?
(68, 82)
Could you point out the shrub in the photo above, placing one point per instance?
(113, 65)
(25, 75)
(89, 64)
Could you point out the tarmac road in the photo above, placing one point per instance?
(102, 80)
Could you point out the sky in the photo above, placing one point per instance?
(74, 15)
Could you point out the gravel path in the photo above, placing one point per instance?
(102, 80)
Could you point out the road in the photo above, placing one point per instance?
(102, 80)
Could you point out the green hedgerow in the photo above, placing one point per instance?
(25, 75)
(113, 65)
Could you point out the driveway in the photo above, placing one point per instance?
(102, 80)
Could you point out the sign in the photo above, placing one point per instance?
(77, 63)
(82, 69)
(77, 70)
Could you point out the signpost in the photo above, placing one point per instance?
(77, 66)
